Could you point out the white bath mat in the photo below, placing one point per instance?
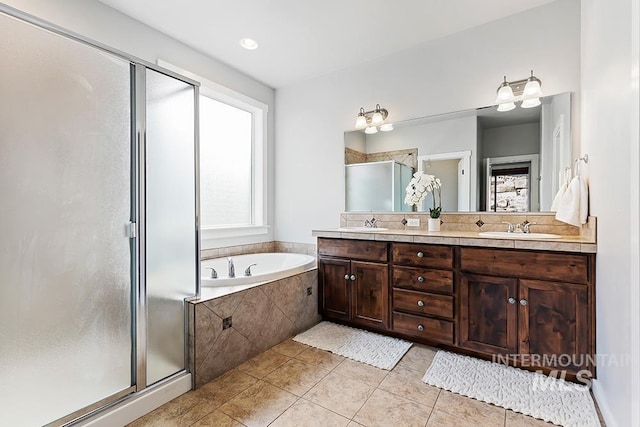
(361, 346)
(534, 394)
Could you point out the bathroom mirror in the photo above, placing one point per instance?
(487, 160)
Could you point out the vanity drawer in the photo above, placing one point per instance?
(421, 279)
(568, 268)
(355, 249)
(422, 303)
(423, 327)
(421, 255)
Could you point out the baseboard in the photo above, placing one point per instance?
(141, 403)
(603, 404)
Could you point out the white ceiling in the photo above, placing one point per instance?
(300, 39)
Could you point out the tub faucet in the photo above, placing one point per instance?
(214, 273)
(247, 272)
(232, 269)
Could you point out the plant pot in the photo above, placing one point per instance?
(434, 224)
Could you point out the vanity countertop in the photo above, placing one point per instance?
(463, 238)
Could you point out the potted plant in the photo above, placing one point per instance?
(417, 190)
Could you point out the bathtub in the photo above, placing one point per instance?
(269, 267)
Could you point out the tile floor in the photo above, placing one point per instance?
(293, 384)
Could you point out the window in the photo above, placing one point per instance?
(233, 180)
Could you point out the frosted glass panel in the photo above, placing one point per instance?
(171, 237)
(65, 288)
(225, 163)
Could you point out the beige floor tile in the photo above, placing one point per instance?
(308, 414)
(354, 424)
(515, 419)
(418, 358)
(361, 371)
(263, 364)
(296, 376)
(290, 348)
(443, 419)
(385, 409)
(217, 419)
(464, 408)
(317, 357)
(226, 387)
(340, 394)
(182, 411)
(408, 383)
(258, 405)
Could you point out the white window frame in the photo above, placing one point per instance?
(259, 111)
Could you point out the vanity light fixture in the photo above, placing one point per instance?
(372, 119)
(526, 90)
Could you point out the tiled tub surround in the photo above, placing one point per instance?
(463, 228)
(256, 248)
(261, 317)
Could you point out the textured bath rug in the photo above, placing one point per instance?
(534, 394)
(361, 346)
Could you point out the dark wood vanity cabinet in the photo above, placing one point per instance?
(422, 301)
(353, 279)
(522, 304)
(537, 307)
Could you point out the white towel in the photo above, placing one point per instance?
(574, 203)
(556, 200)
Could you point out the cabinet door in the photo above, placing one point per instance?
(488, 314)
(370, 293)
(333, 287)
(554, 322)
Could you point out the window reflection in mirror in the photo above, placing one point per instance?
(539, 137)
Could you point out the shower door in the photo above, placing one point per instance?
(65, 252)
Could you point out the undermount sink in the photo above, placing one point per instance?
(507, 235)
(373, 229)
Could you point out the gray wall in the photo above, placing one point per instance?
(511, 140)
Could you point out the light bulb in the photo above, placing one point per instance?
(532, 88)
(507, 106)
(530, 103)
(371, 130)
(377, 118)
(361, 120)
(505, 93)
(386, 127)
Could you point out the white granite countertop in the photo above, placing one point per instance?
(463, 238)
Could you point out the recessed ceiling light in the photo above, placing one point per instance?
(248, 43)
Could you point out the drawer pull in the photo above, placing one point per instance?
(420, 303)
(512, 300)
(420, 279)
(420, 328)
(523, 302)
(353, 278)
(346, 277)
(420, 254)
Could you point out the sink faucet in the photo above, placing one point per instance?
(525, 226)
(509, 226)
(232, 269)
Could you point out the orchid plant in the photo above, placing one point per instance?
(417, 190)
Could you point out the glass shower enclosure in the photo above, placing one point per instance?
(99, 247)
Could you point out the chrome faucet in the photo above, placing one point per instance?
(214, 273)
(509, 226)
(525, 226)
(232, 269)
(247, 272)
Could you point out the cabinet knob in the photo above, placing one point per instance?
(420, 279)
(420, 303)
(420, 254)
(346, 277)
(353, 278)
(523, 302)
(512, 300)
(420, 328)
